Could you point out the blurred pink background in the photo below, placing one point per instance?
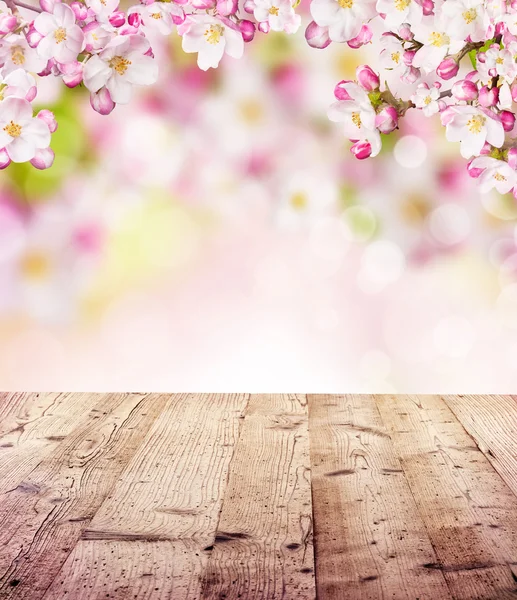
(217, 235)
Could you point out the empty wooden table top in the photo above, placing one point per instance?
(188, 496)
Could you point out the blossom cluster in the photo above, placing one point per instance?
(455, 58)
(426, 49)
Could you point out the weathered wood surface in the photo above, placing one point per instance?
(188, 496)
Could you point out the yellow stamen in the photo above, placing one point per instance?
(427, 100)
(402, 4)
(274, 11)
(60, 35)
(13, 129)
(499, 177)
(345, 3)
(439, 39)
(476, 123)
(17, 55)
(119, 64)
(470, 15)
(156, 15)
(395, 57)
(356, 119)
(213, 34)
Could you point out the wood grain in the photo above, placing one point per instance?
(492, 422)
(164, 509)
(469, 512)
(369, 538)
(42, 518)
(263, 547)
(31, 427)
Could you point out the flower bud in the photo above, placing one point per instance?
(488, 97)
(367, 78)
(465, 90)
(227, 7)
(8, 23)
(5, 161)
(203, 4)
(317, 36)
(48, 5)
(263, 26)
(405, 32)
(340, 92)
(362, 38)
(80, 11)
(249, 6)
(134, 20)
(43, 159)
(507, 119)
(117, 18)
(48, 118)
(473, 171)
(361, 150)
(72, 73)
(427, 7)
(512, 158)
(387, 119)
(247, 29)
(447, 69)
(101, 102)
(33, 37)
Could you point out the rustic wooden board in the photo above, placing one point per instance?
(42, 518)
(164, 509)
(468, 510)
(492, 422)
(263, 547)
(31, 427)
(369, 538)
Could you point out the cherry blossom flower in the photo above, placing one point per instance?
(62, 39)
(472, 127)
(211, 38)
(497, 174)
(344, 18)
(21, 134)
(279, 14)
(122, 64)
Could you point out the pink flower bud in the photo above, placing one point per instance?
(48, 118)
(473, 172)
(465, 90)
(362, 38)
(43, 159)
(263, 27)
(72, 73)
(512, 158)
(134, 19)
(48, 5)
(507, 119)
(227, 7)
(5, 161)
(117, 18)
(447, 69)
(249, 6)
(411, 76)
(8, 23)
(203, 4)
(340, 92)
(387, 119)
(405, 32)
(427, 7)
(361, 150)
(367, 78)
(488, 97)
(408, 57)
(80, 11)
(101, 102)
(317, 36)
(247, 29)
(33, 37)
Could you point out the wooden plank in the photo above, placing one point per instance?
(263, 547)
(469, 512)
(42, 518)
(31, 427)
(370, 541)
(163, 511)
(492, 422)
